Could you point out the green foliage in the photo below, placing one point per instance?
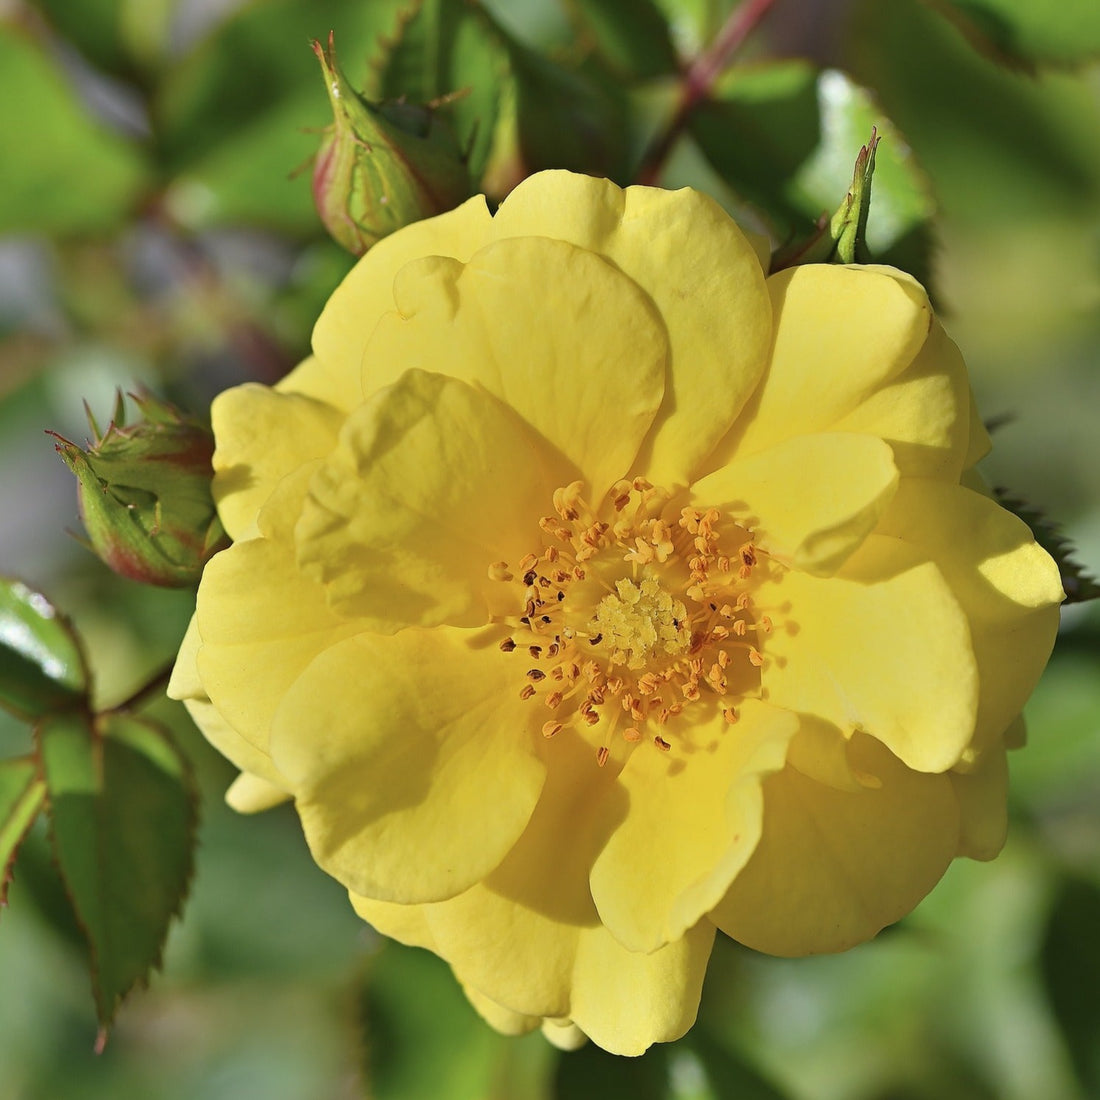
(42, 667)
(726, 1072)
(986, 136)
(22, 794)
(64, 171)
(240, 111)
(122, 823)
(632, 36)
(759, 127)
(1034, 138)
(1025, 31)
(419, 1030)
(593, 1072)
(1071, 971)
(896, 224)
(116, 791)
(451, 51)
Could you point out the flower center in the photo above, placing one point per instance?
(634, 613)
(642, 619)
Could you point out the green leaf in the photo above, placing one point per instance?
(783, 136)
(573, 118)
(757, 130)
(726, 1072)
(420, 1030)
(591, 1071)
(22, 794)
(565, 117)
(240, 114)
(114, 34)
(64, 172)
(1018, 148)
(122, 823)
(42, 667)
(695, 23)
(90, 25)
(448, 48)
(632, 36)
(1060, 31)
(1071, 970)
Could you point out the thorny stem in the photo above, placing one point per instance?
(699, 80)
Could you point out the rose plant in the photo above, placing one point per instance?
(592, 590)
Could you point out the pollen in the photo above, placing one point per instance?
(639, 613)
(642, 619)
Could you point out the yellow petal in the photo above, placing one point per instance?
(834, 867)
(184, 682)
(564, 1034)
(319, 381)
(581, 359)
(625, 1002)
(261, 620)
(433, 482)
(923, 413)
(693, 820)
(498, 1017)
(841, 334)
(412, 759)
(186, 685)
(983, 804)
(822, 753)
(515, 937)
(883, 646)
(341, 333)
(249, 794)
(1006, 584)
(703, 276)
(408, 924)
(263, 435)
(529, 938)
(232, 745)
(810, 501)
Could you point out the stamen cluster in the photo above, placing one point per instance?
(632, 613)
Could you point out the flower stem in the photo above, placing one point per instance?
(145, 693)
(699, 80)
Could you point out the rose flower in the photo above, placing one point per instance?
(591, 592)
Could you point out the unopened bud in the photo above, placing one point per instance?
(381, 166)
(144, 493)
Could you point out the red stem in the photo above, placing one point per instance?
(699, 80)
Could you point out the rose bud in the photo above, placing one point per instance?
(144, 493)
(381, 166)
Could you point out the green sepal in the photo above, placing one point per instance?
(842, 238)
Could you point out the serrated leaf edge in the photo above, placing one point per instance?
(105, 1013)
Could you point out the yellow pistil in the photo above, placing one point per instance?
(642, 619)
(635, 613)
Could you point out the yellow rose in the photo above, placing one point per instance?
(591, 592)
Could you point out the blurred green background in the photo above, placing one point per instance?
(153, 231)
